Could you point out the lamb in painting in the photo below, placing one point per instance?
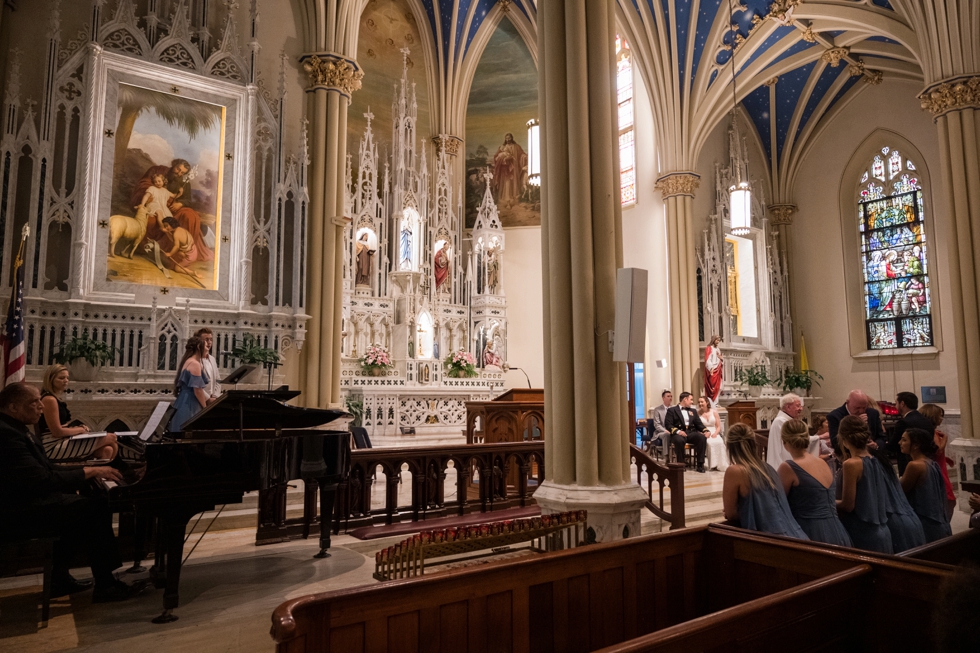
(129, 230)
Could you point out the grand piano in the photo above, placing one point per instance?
(245, 441)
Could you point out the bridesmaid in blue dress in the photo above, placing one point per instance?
(923, 483)
(752, 492)
(189, 384)
(810, 488)
(863, 505)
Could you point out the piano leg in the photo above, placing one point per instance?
(328, 495)
(172, 527)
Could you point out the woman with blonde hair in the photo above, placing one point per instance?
(752, 493)
(58, 435)
(810, 488)
(936, 415)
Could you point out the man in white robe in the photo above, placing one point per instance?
(790, 407)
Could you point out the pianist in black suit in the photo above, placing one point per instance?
(38, 500)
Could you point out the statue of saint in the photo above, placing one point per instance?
(491, 359)
(405, 246)
(713, 364)
(362, 265)
(509, 171)
(442, 268)
(493, 272)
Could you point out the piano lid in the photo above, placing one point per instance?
(259, 409)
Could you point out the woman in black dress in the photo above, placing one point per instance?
(57, 436)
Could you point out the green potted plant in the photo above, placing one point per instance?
(754, 378)
(799, 381)
(250, 352)
(84, 356)
(355, 406)
(460, 364)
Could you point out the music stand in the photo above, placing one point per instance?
(236, 375)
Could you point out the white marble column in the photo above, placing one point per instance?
(586, 452)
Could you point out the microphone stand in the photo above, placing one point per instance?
(508, 368)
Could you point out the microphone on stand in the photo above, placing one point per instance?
(508, 368)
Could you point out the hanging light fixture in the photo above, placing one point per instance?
(739, 193)
(533, 152)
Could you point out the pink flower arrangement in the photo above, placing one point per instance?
(461, 364)
(376, 356)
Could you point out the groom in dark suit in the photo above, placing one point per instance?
(685, 427)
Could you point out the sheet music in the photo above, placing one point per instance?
(127, 433)
(154, 421)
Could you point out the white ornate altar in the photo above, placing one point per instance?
(416, 285)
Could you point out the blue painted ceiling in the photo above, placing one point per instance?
(451, 18)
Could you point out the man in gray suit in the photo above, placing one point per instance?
(660, 434)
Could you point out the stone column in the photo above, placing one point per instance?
(332, 79)
(956, 105)
(677, 189)
(587, 456)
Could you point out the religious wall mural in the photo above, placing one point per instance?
(166, 190)
(387, 26)
(503, 97)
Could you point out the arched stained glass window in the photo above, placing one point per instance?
(624, 97)
(891, 215)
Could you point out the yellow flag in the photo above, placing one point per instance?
(804, 363)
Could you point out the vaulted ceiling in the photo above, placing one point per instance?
(795, 60)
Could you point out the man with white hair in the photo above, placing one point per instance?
(790, 407)
(857, 405)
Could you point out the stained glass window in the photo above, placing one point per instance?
(893, 255)
(624, 97)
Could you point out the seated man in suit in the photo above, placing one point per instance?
(908, 408)
(659, 434)
(685, 427)
(857, 405)
(38, 500)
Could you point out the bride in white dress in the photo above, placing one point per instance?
(716, 454)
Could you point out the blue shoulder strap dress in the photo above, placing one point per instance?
(928, 500)
(186, 406)
(815, 509)
(765, 509)
(867, 524)
(904, 524)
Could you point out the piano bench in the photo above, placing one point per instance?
(20, 557)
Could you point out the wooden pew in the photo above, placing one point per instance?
(955, 550)
(653, 588)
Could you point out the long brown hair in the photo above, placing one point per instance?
(743, 450)
(195, 345)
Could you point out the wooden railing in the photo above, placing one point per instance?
(655, 477)
(482, 472)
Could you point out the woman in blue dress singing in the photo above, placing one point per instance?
(752, 493)
(863, 505)
(810, 488)
(923, 483)
(189, 384)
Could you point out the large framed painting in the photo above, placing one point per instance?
(173, 159)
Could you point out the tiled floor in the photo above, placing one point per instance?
(230, 587)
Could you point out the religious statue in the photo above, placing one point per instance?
(493, 271)
(442, 268)
(713, 364)
(362, 265)
(405, 246)
(509, 171)
(491, 359)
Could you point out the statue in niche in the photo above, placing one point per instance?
(493, 271)
(411, 349)
(405, 246)
(363, 253)
(491, 359)
(713, 364)
(509, 171)
(442, 268)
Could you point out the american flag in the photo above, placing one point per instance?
(14, 351)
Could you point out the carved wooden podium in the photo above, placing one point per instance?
(515, 416)
(742, 412)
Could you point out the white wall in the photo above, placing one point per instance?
(816, 253)
(522, 285)
(645, 245)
